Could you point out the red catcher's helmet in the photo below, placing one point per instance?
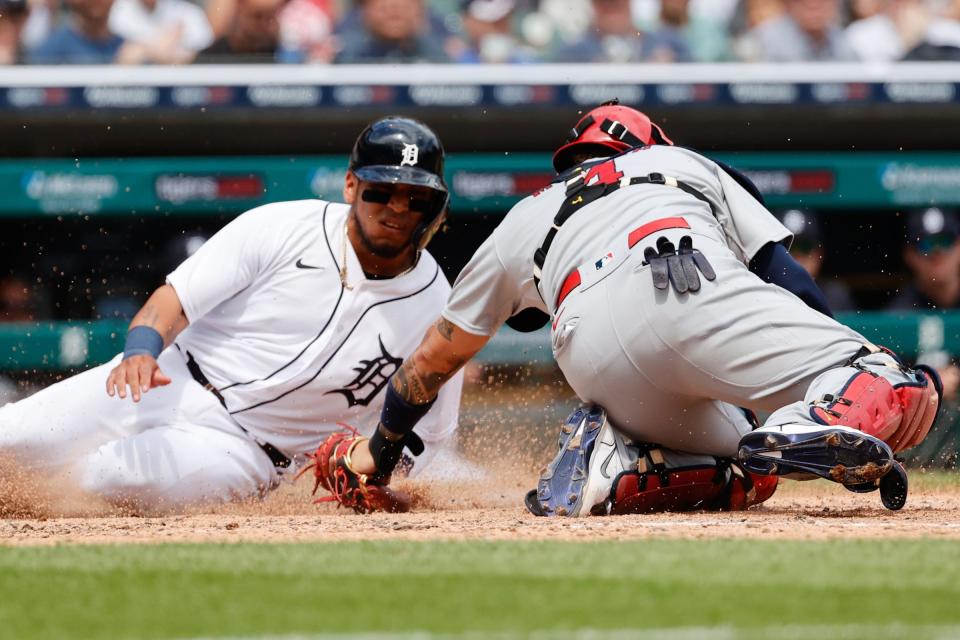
(609, 129)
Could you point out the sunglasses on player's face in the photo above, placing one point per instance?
(937, 242)
(426, 203)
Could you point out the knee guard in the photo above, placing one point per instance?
(878, 395)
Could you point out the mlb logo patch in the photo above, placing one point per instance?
(602, 262)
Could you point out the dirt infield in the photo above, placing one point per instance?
(808, 511)
(486, 509)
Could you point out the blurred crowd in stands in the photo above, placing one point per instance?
(475, 31)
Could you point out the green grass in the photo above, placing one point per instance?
(934, 480)
(891, 588)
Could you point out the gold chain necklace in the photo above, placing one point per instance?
(343, 259)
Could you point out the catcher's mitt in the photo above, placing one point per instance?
(333, 470)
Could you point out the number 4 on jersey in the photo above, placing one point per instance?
(603, 173)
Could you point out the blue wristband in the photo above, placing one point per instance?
(143, 340)
(399, 416)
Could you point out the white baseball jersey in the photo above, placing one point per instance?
(290, 348)
(669, 368)
(292, 351)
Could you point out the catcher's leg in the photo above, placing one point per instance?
(599, 471)
(850, 423)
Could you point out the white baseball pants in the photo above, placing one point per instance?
(176, 447)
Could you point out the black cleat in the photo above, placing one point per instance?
(893, 488)
(532, 504)
(841, 454)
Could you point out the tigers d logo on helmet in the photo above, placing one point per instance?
(410, 154)
(398, 150)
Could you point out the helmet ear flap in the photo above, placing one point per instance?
(430, 229)
(658, 136)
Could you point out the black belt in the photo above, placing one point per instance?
(276, 456)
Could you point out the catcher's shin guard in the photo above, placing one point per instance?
(722, 486)
(747, 489)
(875, 393)
(901, 415)
(849, 425)
(597, 471)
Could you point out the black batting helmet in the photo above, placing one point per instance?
(398, 150)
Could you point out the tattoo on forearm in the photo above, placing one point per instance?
(418, 388)
(433, 381)
(445, 329)
(408, 384)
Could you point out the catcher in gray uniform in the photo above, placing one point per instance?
(676, 313)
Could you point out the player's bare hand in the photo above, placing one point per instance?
(362, 460)
(139, 373)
